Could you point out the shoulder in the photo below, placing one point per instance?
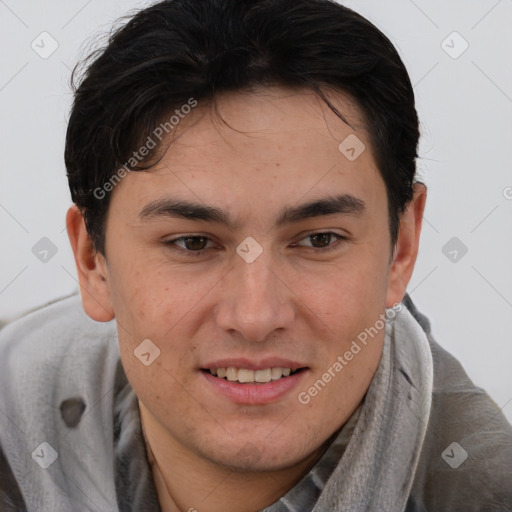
(466, 459)
(52, 334)
(54, 353)
(58, 368)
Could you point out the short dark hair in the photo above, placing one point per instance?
(176, 50)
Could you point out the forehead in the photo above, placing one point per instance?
(271, 116)
(270, 146)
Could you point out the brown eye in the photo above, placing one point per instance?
(322, 242)
(195, 243)
(320, 239)
(191, 244)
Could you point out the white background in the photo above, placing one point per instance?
(465, 107)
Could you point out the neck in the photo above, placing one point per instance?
(186, 482)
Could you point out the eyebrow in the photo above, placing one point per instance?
(345, 204)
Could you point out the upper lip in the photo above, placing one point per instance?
(247, 364)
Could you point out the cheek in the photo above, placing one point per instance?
(349, 293)
(161, 305)
(349, 300)
(147, 295)
(351, 307)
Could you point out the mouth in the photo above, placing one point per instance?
(259, 385)
(248, 376)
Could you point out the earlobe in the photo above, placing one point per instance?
(91, 269)
(406, 249)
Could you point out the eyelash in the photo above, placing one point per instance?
(316, 250)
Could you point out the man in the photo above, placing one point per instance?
(245, 223)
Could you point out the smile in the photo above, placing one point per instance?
(246, 376)
(253, 387)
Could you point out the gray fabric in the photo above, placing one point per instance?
(463, 413)
(51, 358)
(52, 355)
(304, 495)
(57, 357)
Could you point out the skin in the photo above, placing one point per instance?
(279, 150)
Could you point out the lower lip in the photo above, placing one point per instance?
(255, 394)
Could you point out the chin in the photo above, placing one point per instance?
(253, 458)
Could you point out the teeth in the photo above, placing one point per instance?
(263, 375)
(276, 373)
(232, 374)
(250, 376)
(245, 376)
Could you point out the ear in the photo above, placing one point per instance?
(91, 267)
(406, 248)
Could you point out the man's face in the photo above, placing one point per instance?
(211, 300)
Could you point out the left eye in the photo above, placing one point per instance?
(321, 240)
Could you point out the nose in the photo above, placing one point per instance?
(256, 300)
